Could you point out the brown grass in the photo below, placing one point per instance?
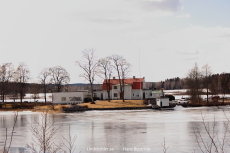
(115, 104)
(98, 104)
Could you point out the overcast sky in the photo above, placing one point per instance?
(160, 38)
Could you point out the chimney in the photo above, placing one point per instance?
(133, 77)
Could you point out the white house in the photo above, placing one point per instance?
(134, 88)
(69, 97)
(162, 101)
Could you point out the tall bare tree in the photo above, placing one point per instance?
(224, 84)
(90, 68)
(44, 135)
(207, 72)
(214, 85)
(22, 77)
(45, 80)
(34, 89)
(59, 78)
(9, 137)
(6, 76)
(122, 67)
(106, 71)
(193, 82)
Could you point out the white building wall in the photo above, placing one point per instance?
(128, 91)
(165, 102)
(144, 84)
(99, 94)
(65, 97)
(115, 92)
(137, 94)
(147, 93)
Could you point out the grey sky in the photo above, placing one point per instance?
(168, 36)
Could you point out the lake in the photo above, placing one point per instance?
(121, 131)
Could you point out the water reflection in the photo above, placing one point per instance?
(120, 129)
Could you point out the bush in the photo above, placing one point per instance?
(96, 98)
(171, 97)
(87, 99)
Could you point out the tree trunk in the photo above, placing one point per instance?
(21, 93)
(2, 96)
(91, 88)
(108, 92)
(44, 86)
(123, 90)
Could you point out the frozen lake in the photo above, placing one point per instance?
(121, 131)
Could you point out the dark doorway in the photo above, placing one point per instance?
(101, 96)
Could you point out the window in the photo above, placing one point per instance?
(63, 98)
(151, 94)
(137, 94)
(115, 95)
(115, 87)
(74, 99)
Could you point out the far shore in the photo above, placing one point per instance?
(113, 104)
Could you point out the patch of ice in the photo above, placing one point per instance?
(177, 107)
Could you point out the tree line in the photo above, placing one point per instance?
(14, 81)
(201, 81)
(104, 68)
(168, 84)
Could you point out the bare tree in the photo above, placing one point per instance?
(35, 90)
(164, 147)
(90, 68)
(70, 142)
(122, 67)
(59, 78)
(210, 140)
(6, 148)
(224, 84)
(45, 80)
(106, 71)
(22, 77)
(207, 72)
(193, 82)
(44, 134)
(6, 76)
(214, 84)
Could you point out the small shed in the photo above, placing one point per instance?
(163, 101)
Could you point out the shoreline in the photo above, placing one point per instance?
(99, 105)
(69, 110)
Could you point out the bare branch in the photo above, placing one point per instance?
(90, 68)
(44, 133)
(7, 148)
(164, 147)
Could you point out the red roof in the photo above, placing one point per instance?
(136, 83)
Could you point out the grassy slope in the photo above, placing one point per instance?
(115, 104)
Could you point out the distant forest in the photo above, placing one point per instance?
(168, 84)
